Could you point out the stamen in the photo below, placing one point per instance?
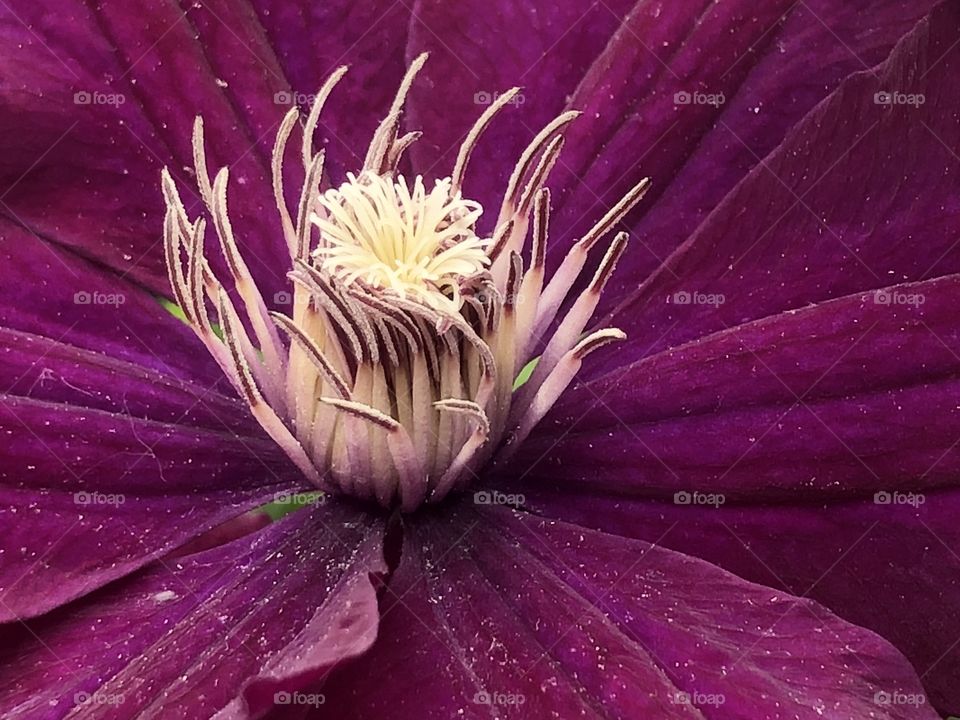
(470, 448)
(200, 163)
(549, 158)
(386, 134)
(171, 250)
(399, 148)
(542, 138)
(573, 324)
(393, 378)
(571, 266)
(463, 157)
(276, 170)
(411, 244)
(247, 289)
(556, 382)
(263, 412)
(532, 285)
(313, 119)
(307, 199)
(314, 353)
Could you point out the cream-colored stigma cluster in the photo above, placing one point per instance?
(391, 378)
(410, 243)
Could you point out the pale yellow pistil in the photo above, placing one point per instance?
(391, 376)
(411, 242)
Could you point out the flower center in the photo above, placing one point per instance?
(407, 241)
(391, 376)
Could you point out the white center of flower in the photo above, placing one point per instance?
(390, 375)
(409, 241)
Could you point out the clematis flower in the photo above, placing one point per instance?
(354, 368)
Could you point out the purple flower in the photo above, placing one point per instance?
(743, 507)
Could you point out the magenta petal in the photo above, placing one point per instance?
(793, 232)
(830, 401)
(220, 631)
(87, 496)
(46, 290)
(43, 369)
(893, 568)
(110, 455)
(312, 39)
(694, 95)
(545, 619)
(478, 51)
(807, 423)
(98, 99)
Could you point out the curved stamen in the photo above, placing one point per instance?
(313, 119)
(479, 127)
(276, 171)
(314, 353)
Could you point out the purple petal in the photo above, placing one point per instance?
(112, 454)
(219, 631)
(98, 100)
(831, 401)
(793, 233)
(892, 568)
(312, 39)
(798, 420)
(553, 620)
(48, 291)
(87, 496)
(43, 369)
(478, 51)
(744, 73)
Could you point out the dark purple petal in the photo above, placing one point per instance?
(312, 39)
(861, 195)
(798, 420)
(49, 291)
(116, 452)
(893, 568)
(43, 369)
(98, 99)
(553, 620)
(219, 631)
(87, 496)
(831, 401)
(477, 51)
(765, 66)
